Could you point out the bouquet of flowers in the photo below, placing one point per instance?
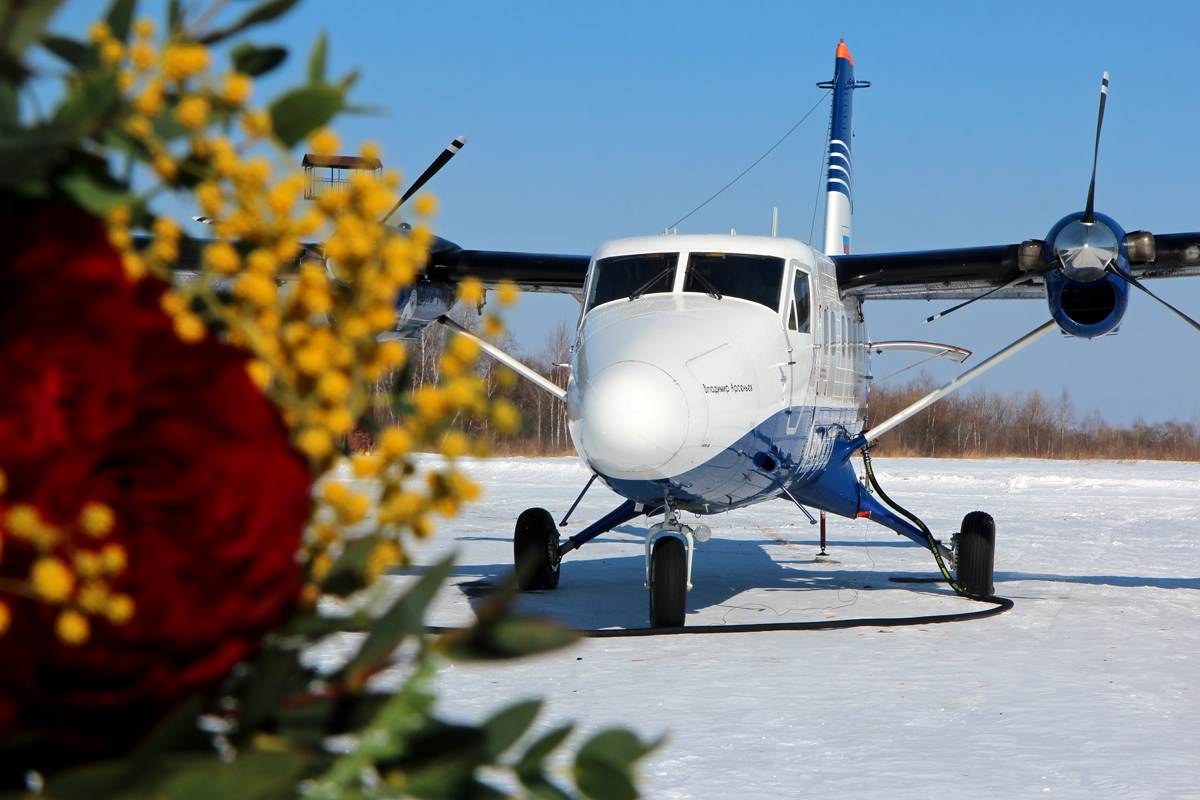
(170, 513)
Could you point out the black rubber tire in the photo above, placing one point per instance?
(976, 554)
(535, 550)
(668, 583)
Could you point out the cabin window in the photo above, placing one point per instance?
(625, 276)
(754, 278)
(799, 315)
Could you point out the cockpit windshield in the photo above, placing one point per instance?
(632, 276)
(756, 278)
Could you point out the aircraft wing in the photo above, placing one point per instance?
(191, 256)
(532, 272)
(963, 273)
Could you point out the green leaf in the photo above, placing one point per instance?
(274, 673)
(440, 760)
(601, 780)
(405, 618)
(120, 17)
(356, 711)
(301, 111)
(498, 639)
(23, 22)
(89, 103)
(254, 775)
(89, 782)
(604, 764)
(111, 778)
(174, 17)
(536, 753)
(264, 12)
(97, 196)
(256, 61)
(9, 108)
(540, 788)
(316, 60)
(506, 726)
(617, 745)
(348, 80)
(27, 154)
(304, 719)
(79, 55)
(365, 110)
(348, 573)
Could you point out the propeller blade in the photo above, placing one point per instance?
(1088, 214)
(1033, 273)
(441, 161)
(1134, 281)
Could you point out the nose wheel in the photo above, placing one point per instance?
(535, 550)
(670, 546)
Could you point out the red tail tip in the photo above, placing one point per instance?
(844, 52)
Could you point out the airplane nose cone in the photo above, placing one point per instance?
(633, 418)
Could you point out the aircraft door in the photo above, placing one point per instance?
(799, 334)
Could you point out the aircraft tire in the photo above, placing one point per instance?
(535, 550)
(668, 583)
(976, 554)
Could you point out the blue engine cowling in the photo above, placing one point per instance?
(1087, 309)
(418, 306)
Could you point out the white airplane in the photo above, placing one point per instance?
(714, 372)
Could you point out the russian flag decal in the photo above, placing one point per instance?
(845, 244)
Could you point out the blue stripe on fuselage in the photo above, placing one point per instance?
(737, 477)
(822, 477)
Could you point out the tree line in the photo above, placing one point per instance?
(983, 424)
(974, 424)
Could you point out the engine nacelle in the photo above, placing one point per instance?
(1084, 299)
(417, 307)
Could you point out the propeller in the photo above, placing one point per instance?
(1112, 269)
(1084, 244)
(1024, 276)
(1089, 213)
(439, 162)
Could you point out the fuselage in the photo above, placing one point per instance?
(715, 371)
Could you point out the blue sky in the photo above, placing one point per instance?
(597, 121)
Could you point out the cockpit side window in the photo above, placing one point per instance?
(755, 278)
(625, 276)
(799, 316)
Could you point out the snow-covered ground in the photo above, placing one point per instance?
(1089, 688)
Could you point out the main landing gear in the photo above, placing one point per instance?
(535, 550)
(975, 554)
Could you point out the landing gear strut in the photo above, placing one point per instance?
(535, 550)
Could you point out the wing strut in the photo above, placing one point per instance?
(505, 359)
(975, 371)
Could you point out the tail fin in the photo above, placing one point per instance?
(838, 202)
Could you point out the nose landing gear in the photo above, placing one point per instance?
(670, 546)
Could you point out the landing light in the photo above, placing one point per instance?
(702, 533)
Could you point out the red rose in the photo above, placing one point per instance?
(101, 401)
